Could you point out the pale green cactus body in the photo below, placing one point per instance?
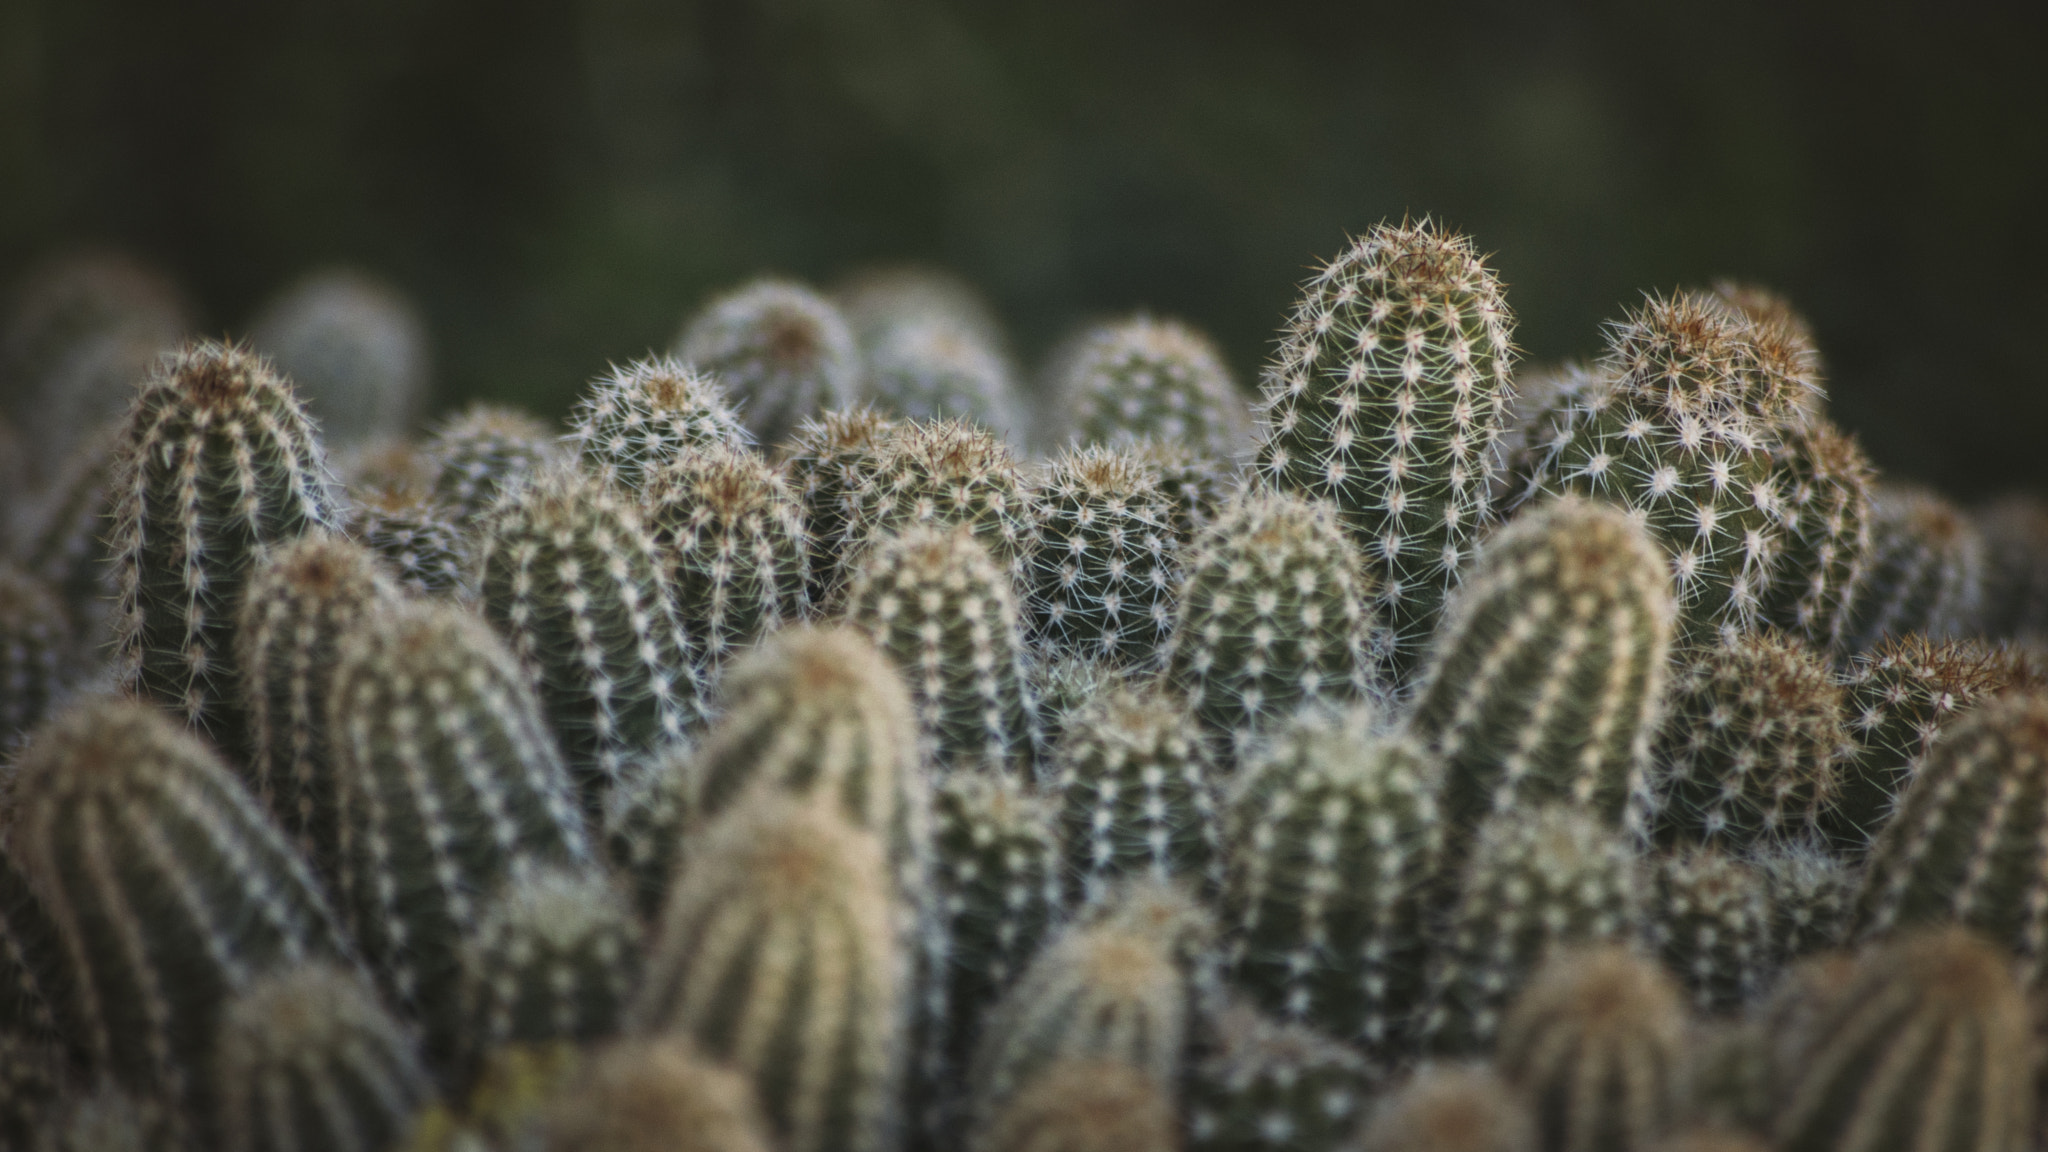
(945, 472)
(1148, 379)
(829, 463)
(554, 956)
(1104, 565)
(1135, 784)
(1824, 483)
(354, 347)
(425, 551)
(648, 416)
(931, 367)
(783, 352)
(733, 536)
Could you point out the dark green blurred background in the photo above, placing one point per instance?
(558, 183)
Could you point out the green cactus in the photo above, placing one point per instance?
(1066, 685)
(1710, 916)
(652, 1095)
(309, 1061)
(1135, 784)
(36, 652)
(1389, 398)
(1333, 844)
(783, 351)
(938, 605)
(426, 552)
(1197, 487)
(778, 954)
(1540, 413)
(1824, 484)
(1969, 842)
(946, 472)
(1752, 745)
(1810, 892)
(1146, 379)
(169, 889)
(1275, 615)
(830, 461)
(217, 462)
(1451, 1108)
(1537, 878)
(931, 367)
(69, 542)
(354, 347)
(733, 535)
(304, 598)
(1925, 572)
(554, 955)
(484, 452)
(111, 1119)
(646, 819)
(1772, 312)
(650, 415)
(1103, 574)
(568, 569)
(1598, 1045)
(450, 787)
(1267, 1085)
(32, 1081)
(1927, 1046)
(875, 299)
(37, 1000)
(1549, 668)
(1084, 1105)
(2014, 529)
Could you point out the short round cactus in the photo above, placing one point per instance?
(829, 463)
(738, 558)
(1711, 917)
(555, 955)
(355, 349)
(1146, 378)
(483, 452)
(783, 352)
(1925, 571)
(650, 415)
(929, 367)
(946, 472)
(1451, 1108)
(1824, 483)
(1136, 791)
(1103, 572)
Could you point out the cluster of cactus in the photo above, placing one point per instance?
(816, 748)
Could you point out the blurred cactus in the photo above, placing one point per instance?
(1275, 615)
(646, 819)
(733, 536)
(426, 552)
(875, 299)
(32, 1082)
(353, 347)
(1451, 1108)
(1084, 1105)
(1066, 685)
(1823, 483)
(36, 653)
(555, 955)
(37, 1000)
(111, 1119)
(1771, 311)
(782, 351)
(1810, 891)
(2014, 529)
(1135, 785)
(1333, 844)
(217, 462)
(930, 367)
(945, 472)
(484, 452)
(68, 542)
(1146, 379)
(830, 462)
(1925, 573)
(651, 415)
(652, 1095)
(1196, 487)
(1263, 1084)
(1710, 916)
(1103, 571)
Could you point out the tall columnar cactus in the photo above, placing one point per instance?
(939, 605)
(1598, 1044)
(1925, 572)
(169, 889)
(1549, 668)
(1333, 842)
(733, 536)
(1970, 840)
(218, 461)
(778, 955)
(1898, 697)
(649, 415)
(784, 351)
(946, 472)
(36, 652)
(1136, 787)
(553, 956)
(652, 1095)
(1263, 1084)
(1682, 433)
(1388, 398)
(354, 347)
(1275, 614)
(1823, 484)
(830, 461)
(450, 787)
(1752, 744)
(1084, 1105)
(1103, 571)
(1928, 1046)
(303, 599)
(309, 1061)
(2015, 533)
(1536, 879)
(484, 452)
(1709, 915)
(569, 571)
(1144, 378)
(929, 367)
(1451, 1108)
(425, 550)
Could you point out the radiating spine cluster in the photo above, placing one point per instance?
(734, 541)
(1136, 788)
(648, 416)
(1104, 558)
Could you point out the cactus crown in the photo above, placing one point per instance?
(1102, 573)
(653, 1095)
(1451, 1108)
(484, 451)
(738, 560)
(948, 472)
(650, 414)
(553, 957)
(1151, 379)
(783, 350)
(1689, 356)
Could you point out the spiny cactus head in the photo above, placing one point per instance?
(1710, 916)
(1264, 1084)
(652, 1095)
(948, 472)
(483, 452)
(1811, 890)
(784, 351)
(1691, 357)
(1786, 333)
(1067, 685)
(1102, 575)
(738, 557)
(1084, 1105)
(354, 347)
(1451, 1108)
(641, 418)
(1198, 486)
(1150, 379)
(928, 367)
(426, 551)
(1136, 784)
(554, 956)
(36, 652)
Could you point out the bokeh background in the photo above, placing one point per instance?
(557, 184)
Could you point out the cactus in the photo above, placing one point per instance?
(1897, 698)
(2014, 529)
(931, 367)
(1544, 400)
(946, 472)
(1102, 574)
(1084, 1105)
(1275, 615)
(1767, 309)
(648, 416)
(1197, 487)
(484, 452)
(645, 822)
(652, 1095)
(36, 996)
(553, 956)
(169, 889)
(1970, 840)
(1928, 1046)
(784, 351)
(1269, 1085)
(308, 1061)
(1751, 746)
(569, 571)
(1146, 379)
(1119, 987)
(1810, 890)
(830, 461)
(937, 604)
(69, 544)
(450, 787)
(1548, 670)
(1136, 787)
(303, 599)
(1451, 1108)
(1065, 686)
(32, 1077)
(217, 462)
(1710, 916)
(1598, 1045)
(1333, 845)
(426, 553)
(875, 299)
(1925, 572)
(1536, 879)
(1824, 484)
(36, 652)
(777, 953)
(1389, 397)
(355, 348)
(110, 1119)
(733, 534)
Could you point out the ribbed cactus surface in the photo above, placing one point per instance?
(1150, 379)
(829, 461)
(483, 452)
(653, 1095)
(781, 349)
(353, 346)
(1136, 786)
(1264, 1084)
(1710, 916)
(36, 652)
(554, 956)
(1925, 571)
(738, 560)
(1823, 483)
(650, 415)
(928, 367)
(1104, 565)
